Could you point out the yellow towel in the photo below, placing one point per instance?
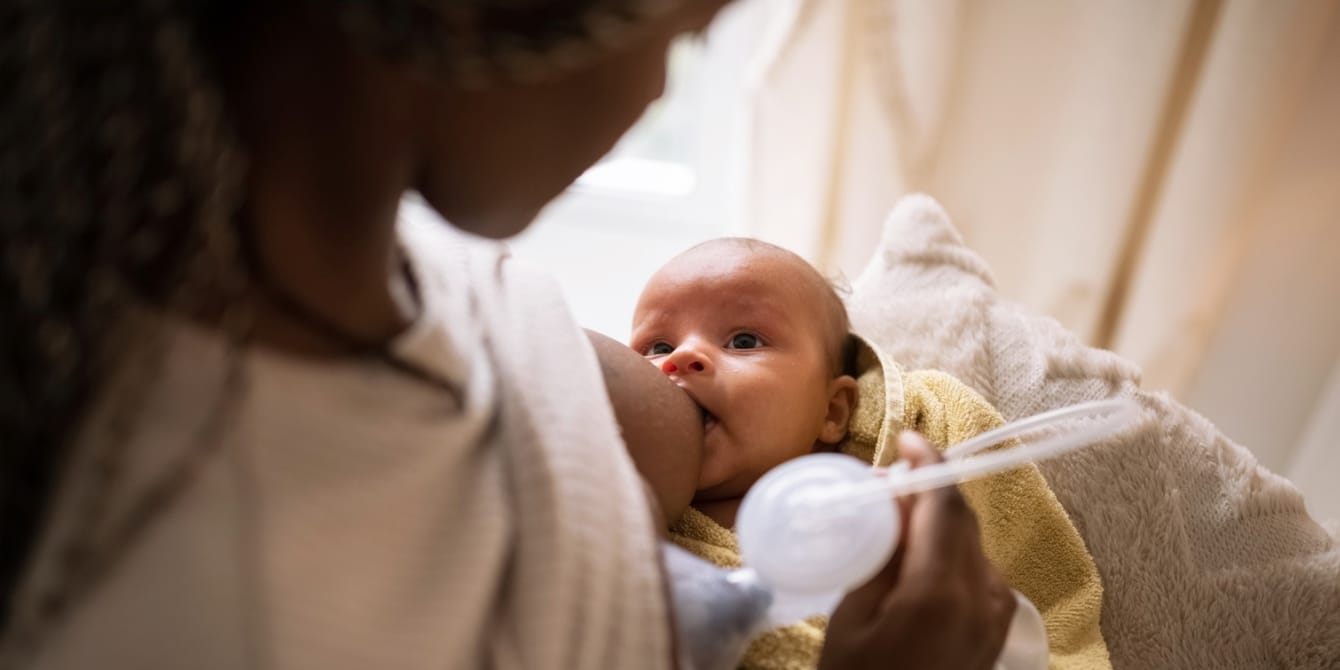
(1025, 531)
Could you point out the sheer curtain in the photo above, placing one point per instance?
(1161, 176)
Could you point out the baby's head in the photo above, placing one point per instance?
(760, 341)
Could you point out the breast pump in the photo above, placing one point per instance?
(816, 527)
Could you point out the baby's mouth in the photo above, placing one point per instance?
(709, 419)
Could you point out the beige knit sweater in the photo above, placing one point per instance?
(354, 518)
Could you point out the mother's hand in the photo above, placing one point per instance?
(938, 603)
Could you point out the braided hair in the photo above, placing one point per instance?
(121, 181)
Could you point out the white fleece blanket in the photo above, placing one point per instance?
(1208, 559)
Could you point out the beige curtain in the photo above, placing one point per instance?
(1163, 176)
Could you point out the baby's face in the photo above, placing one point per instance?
(742, 332)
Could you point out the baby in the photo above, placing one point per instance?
(760, 343)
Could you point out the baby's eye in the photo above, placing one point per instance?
(745, 341)
(659, 349)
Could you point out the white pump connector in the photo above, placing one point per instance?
(810, 555)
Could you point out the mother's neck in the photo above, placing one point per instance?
(327, 132)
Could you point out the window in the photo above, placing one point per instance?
(676, 179)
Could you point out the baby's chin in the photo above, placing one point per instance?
(717, 483)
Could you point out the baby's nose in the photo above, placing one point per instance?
(684, 360)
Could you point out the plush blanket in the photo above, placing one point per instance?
(1208, 560)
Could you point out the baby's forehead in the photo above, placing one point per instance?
(743, 276)
(741, 261)
(739, 276)
(731, 271)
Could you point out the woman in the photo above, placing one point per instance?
(249, 421)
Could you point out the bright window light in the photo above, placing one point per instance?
(641, 176)
(674, 180)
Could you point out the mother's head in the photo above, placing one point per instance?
(165, 152)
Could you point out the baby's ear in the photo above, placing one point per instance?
(841, 404)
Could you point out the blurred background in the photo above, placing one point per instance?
(1162, 176)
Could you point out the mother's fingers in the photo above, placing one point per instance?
(940, 529)
(914, 449)
(944, 549)
(938, 603)
(862, 603)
